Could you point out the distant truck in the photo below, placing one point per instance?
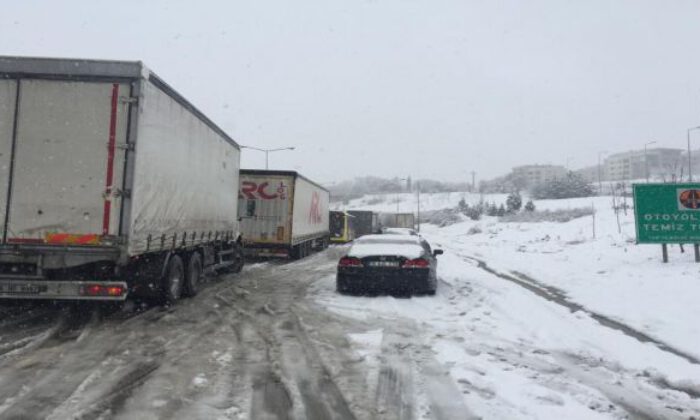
(111, 184)
(364, 222)
(397, 220)
(282, 213)
(342, 225)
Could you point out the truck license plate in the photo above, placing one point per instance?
(19, 289)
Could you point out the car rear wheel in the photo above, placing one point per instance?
(341, 287)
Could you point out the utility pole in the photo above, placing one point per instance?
(473, 181)
(690, 164)
(600, 178)
(646, 161)
(398, 195)
(267, 152)
(418, 202)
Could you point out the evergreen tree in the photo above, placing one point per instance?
(514, 202)
(501, 211)
(492, 210)
(529, 206)
(572, 185)
(463, 206)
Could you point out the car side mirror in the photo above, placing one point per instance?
(438, 252)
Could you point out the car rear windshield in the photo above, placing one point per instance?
(389, 241)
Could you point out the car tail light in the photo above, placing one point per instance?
(349, 262)
(100, 290)
(417, 263)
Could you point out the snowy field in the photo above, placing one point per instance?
(608, 274)
(408, 202)
(544, 320)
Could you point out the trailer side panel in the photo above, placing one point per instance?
(310, 218)
(186, 177)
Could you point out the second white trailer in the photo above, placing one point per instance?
(283, 214)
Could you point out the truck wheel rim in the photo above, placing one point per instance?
(175, 281)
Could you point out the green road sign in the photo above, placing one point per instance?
(667, 213)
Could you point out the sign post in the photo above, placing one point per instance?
(668, 214)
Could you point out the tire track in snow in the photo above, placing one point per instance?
(558, 297)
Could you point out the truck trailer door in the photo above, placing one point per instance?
(65, 142)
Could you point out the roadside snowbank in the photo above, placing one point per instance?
(609, 274)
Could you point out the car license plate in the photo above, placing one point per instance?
(384, 264)
(24, 289)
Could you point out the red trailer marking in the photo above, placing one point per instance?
(111, 146)
(72, 238)
(315, 217)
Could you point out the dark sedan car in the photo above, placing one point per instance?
(388, 263)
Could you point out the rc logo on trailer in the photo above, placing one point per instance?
(253, 191)
(688, 199)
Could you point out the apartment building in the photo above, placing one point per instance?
(532, 175)
(661, 163)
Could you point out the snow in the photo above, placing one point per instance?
(408, 202)
(544, 352)
(409, 251)
(609, 274)
(399, 231)
(401, 245)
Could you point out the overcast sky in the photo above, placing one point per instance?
(430, 88)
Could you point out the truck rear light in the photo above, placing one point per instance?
(100, 290)
(349, 262)
(416, 263)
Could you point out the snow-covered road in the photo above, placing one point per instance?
(277, 342)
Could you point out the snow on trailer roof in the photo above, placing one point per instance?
(375, 245)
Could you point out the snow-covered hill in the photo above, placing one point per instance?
(408, 202)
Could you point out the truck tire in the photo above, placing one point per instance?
(173, 280)
(193, 275)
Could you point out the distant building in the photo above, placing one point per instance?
(533, 175)
(591, 173)
(663, 163)
(695, 164)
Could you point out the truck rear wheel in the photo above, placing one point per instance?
(193, 276)
(173, 280)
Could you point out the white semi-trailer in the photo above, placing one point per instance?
(282, 213)
(111, 183)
